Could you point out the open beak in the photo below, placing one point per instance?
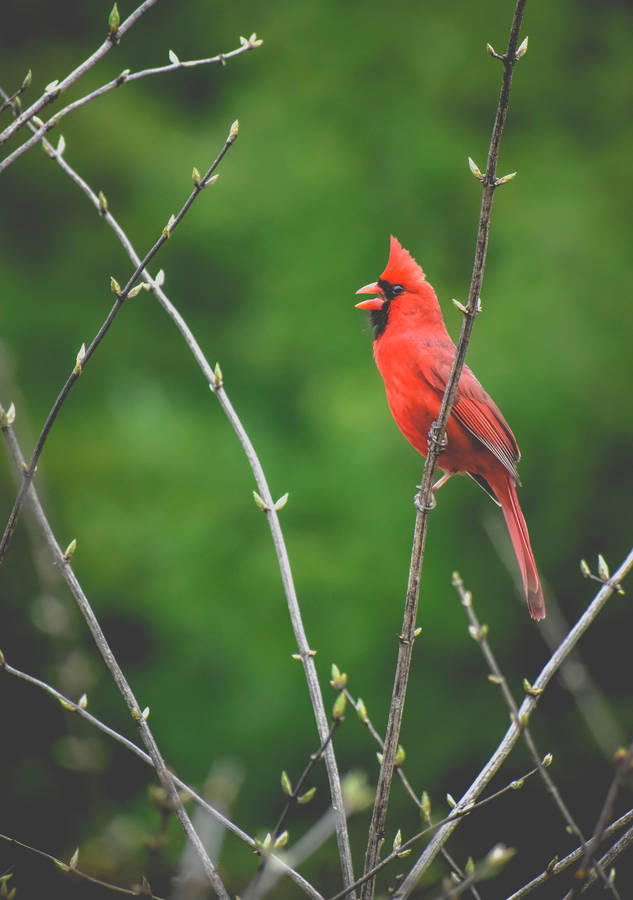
(373, 302)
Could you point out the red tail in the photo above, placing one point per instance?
(521, 543)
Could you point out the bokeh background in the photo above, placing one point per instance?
(356, 122)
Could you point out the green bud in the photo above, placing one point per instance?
(425, 806)
(259, 502)
(603, 568)
(547, 760)
(400, 756)
(305, 798)
(281, 841)
(74, 859)
(219, 378)
(361, 709)
(103, 203)
(451, 801)
(235, 130)
(340, 703)
(523, 46)
(195, 176)
(474, 168)
(397, 841)
(115, 287)
(469, 868)
(70, 549)
(114, 20)
(339, 679)
(173, 59)
(286, 785)
(28, 78)
(584, 568)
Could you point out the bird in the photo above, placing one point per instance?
(414, 354)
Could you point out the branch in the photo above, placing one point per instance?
(423, 807)
(85, 354)
(557, 866)
(404, 848)
(436, 443)
(511, 736)
(479, 633)
(268, 505)
(71, 868)
(124, 78)
(624, 766)
(164, 776)
(80, 710)
(56, 88)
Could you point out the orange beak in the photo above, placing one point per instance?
(373, 302)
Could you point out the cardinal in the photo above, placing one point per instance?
(414, 354)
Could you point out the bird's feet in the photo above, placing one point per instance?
(440, 440)
(419, 505)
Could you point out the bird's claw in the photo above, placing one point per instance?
(434, 436)
(419, 505)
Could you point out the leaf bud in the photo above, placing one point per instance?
(400, 756)
(522, 50)
(474, 168)
(305, 798)
(70, 549)
(114, 20)
(340, 703)
(173, 59)
(361, 709)
(286, 785)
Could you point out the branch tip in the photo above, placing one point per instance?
(114, 20)
(474, 168)
(7, 417)
(522, 49)
(235, 130)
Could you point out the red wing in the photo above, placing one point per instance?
(477, 412)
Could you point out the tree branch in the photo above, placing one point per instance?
(271, 509)
(49, 95)
(511, 736)
(124, 78)
(436, 443)
(479, 633)
(85, 354)
(198, 799)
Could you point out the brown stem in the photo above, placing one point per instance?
(435, 445)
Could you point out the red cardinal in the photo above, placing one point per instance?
(414, 354)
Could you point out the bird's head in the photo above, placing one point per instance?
(402, 277)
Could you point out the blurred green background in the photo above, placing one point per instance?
(356, 122)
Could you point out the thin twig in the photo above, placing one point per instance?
(77, 873)
(436, 443)
(574, 674)
(512, 734)
(110, 660)
(557, 866)
(198, 799)
(82, 361)
(124, 78)
(479, 633)
(623, 768)
(369, 725)
(305, 653)
(52, 94)
(454, 816)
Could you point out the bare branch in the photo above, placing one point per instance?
(140, 717)
(124, 78)
(557, 866)
(52, 93)
(269, 506)
(121, 296)
(77, 873)
(479, 633)
(511, 736)
(436, 443)
(198, 799)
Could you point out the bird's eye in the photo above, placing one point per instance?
(397, 289)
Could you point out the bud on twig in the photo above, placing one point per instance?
(235, 130)
(339, 679)
(61, 145)
(305, 798)
(338, 709)
(281, 841)
(603, 568)
(474, 168)
(82, 703)
(114, 20)
(522, 49)
(70, 549)
(505, 179)
(74, 859)
(400, 756)
(103, 203)
(173, 59)
(28, 78)
(80, 360)
(115, 287)
(361, 709)
(286, 784)
(195, 176)
(7, 417)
